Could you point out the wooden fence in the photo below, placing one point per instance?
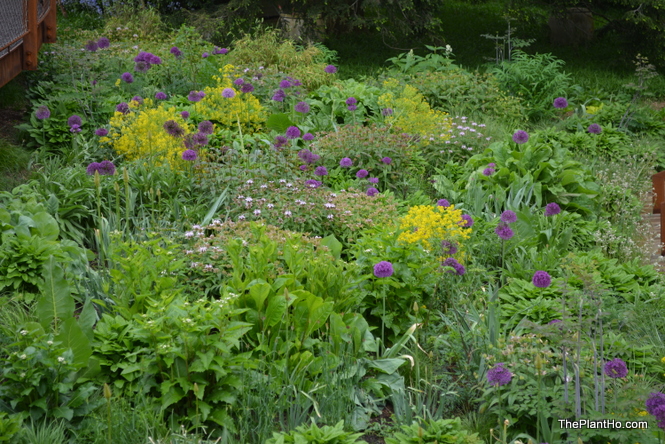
(24, 26)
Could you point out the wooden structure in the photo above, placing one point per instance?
(24, 26)
(658, 181)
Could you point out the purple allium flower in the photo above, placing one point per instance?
(373, 180)
(142, 57)
(127, 77)
(552, 209)
(491, 165)
(387, 112)
(352, 107)
(554, 321)
(138, 99)
(189, 155)
(560, 102)
(307, 156)
(280, 141)
(371, 191)
(302, 167)
(312, 183)
(92, 168)
(488, 171)
(655, 401)
(616, 368)
(330, 69)
(223, 51)
(43, 112)
(205, 55)
(194, 96)
(541, 279)
(176, 52)
(345, 162)
(293, 132)
(383, 269)
(106, 168)
(75, 128)
(302, 107)
(307, 137)
(247, 88)
(351, 101)
(184, 114)
(279, 95)
(239, 81)
(448, 248)
(206, 127)
(504, 232)
(386, 160)
(228, 93)
(74, 120)
(499, 375)
(452, 262)
(173, 129)
(92, 46)
(122, 107)
(141, 66)
(520, 137)
(285, 84)
(468, 221)
(321, 171)
(508, 217)
(103, 43)
(594, 128)
(200, 139)
(154, 60)
(361, 174)
(101, 132)
(443, 203)
(160, 96)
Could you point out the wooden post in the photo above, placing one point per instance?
(50, 29)
(31, 40)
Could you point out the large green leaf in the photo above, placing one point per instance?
(259, 292)
(55, 301)
(73, 337)
(276, 308)
(279, 122)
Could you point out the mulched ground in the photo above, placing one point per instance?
(384, 419)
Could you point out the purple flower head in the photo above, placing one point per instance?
(43, 112)
(189, 155)
(508, 217)
(448, 248)
(443, 203)
(176, 52)
(106, 168)
(92, 168)
(194, 96)
(302, 107)
(122, 107)
(285, 84)
(293, 132)
(173, 129)
(206, 127)
(541, 279)
(345, 162)
(654, 401)
(228, 93)
(127, 77)
(239, 81)
(303, 167)
(387, 160)
(205, 55)
(560, 102)
(594, 128)
(330, 69)
(74, 120)
(247, 88)
(488, 171)
(200, 139)
(184, 114)
(279, 95)
(280, 141)
(351, 101)
(103, 43)
(141, 66)
(321, 171)
(307, 137)
(373, 180)
(371, 191)
(92, 46)
(101, 132)
(153, 59)
(138, 99)
(452, 262)
(75, 128)
(504, 232)
(491, 165)
(520, 137)
(312, 183)
(361, 174)
(467, 221)
(616, 368)
(554, 321)
(160, 96)
(142, 57)
(352, 107)
(387, 112)
(223, 51)
(499, 375)
(383, 269)
(552, 209)
(307, 156)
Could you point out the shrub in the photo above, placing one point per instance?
(312, 434)
(440, 431)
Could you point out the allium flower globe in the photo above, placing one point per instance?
(371, 191)
(228, 93)
(351, 101)
(206, 127)
(373, 180)
(321, 171)
(43, 112)
(560, 102)
(189, 155)
(74, 120)
(92, 168)
(386, 160)
(488, 171)
(91, 46)
(383, 269)
(308, 137)
(160, 96)
(467, 221)
(302, 107)
(594, 128)
(616, 368)
(346, 162)
(387, 112)
(184, 114)
(173, 129)
(520, 137)
(541, 279)
(448, 248)
(552, 209)
(247, 88)
(452, 262)
(101, 132)
(330, 69)
(103, 43)
(361, 174)
(508, 217)
(313, 183)
(285, 84)
(443, 203)
(106, 168)
(176, 51)
(293, 132)
(200, 139)
(127, 77)
(504, 232)
(122, 107)
(499, 375)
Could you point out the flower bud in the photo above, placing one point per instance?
(107, 391)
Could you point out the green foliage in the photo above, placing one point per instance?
(537, 80)
(330, 109)
(440, 431)
(410, 63)
(9, 426)
(315, 435)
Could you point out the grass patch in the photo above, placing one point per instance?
(13, 165)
